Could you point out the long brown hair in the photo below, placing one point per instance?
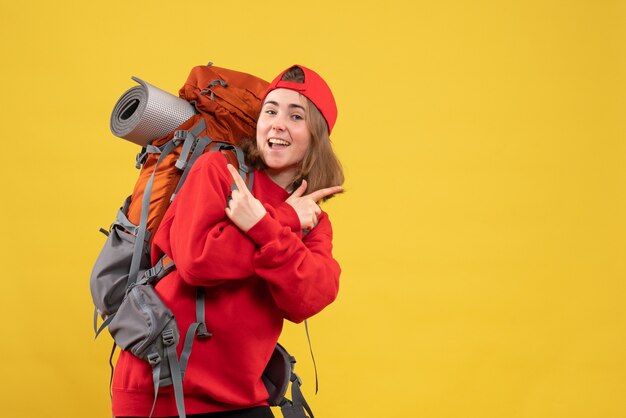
(320, 167)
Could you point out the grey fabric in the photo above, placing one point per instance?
(199, 147)
(177, 382)
(156, 372)
(181, 163)
(188, 344)
(110, 274)
(202, 329)
(156, 273)
(243, 168)
(276, 375)
(197, 328)
(144, 326)
(139, 322)
(152, 149)
(121, 220)
(299, 404)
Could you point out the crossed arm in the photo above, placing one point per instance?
(245, 210)
(254, 239)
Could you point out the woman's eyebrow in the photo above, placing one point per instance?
(271, 102)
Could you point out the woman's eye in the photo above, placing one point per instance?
(270, 112)
(297, 117)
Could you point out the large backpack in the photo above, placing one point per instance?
(122, 282)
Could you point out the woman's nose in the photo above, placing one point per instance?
(278, 123)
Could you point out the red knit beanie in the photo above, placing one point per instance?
(314, 88)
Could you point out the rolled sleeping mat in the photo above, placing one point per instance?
(145, 113)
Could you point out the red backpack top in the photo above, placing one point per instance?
(228, 103)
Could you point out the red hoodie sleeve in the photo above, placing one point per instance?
(302, 274)
(206, 247)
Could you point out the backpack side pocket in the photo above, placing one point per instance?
(109, 276)
(140, 320)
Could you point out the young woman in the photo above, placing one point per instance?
(263, 256)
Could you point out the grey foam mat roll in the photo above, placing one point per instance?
(145, 113)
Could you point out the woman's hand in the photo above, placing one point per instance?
(306, 206)
(242, 208)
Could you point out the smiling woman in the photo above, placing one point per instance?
(266, 251)
(283, 136)
(313, 101)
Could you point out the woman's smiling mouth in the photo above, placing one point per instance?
(276, 143)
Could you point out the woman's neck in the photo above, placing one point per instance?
(284, 178)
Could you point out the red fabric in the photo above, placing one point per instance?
(314, 88)
(253, 281)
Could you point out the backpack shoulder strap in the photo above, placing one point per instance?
(145, 205)
(176, 378)
(297, 407)
(244, 171)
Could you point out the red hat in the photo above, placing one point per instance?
(314, 88)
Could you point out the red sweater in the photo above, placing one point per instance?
(253, 280)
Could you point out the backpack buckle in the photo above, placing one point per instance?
(295, 378)
(154, 358)
(216, 82)
(150, 274)
(141, 158)
(179, 136)
(202, 331)
(168, 337)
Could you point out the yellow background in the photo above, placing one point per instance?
(482, 232)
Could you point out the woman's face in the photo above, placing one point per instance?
(282, 133)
